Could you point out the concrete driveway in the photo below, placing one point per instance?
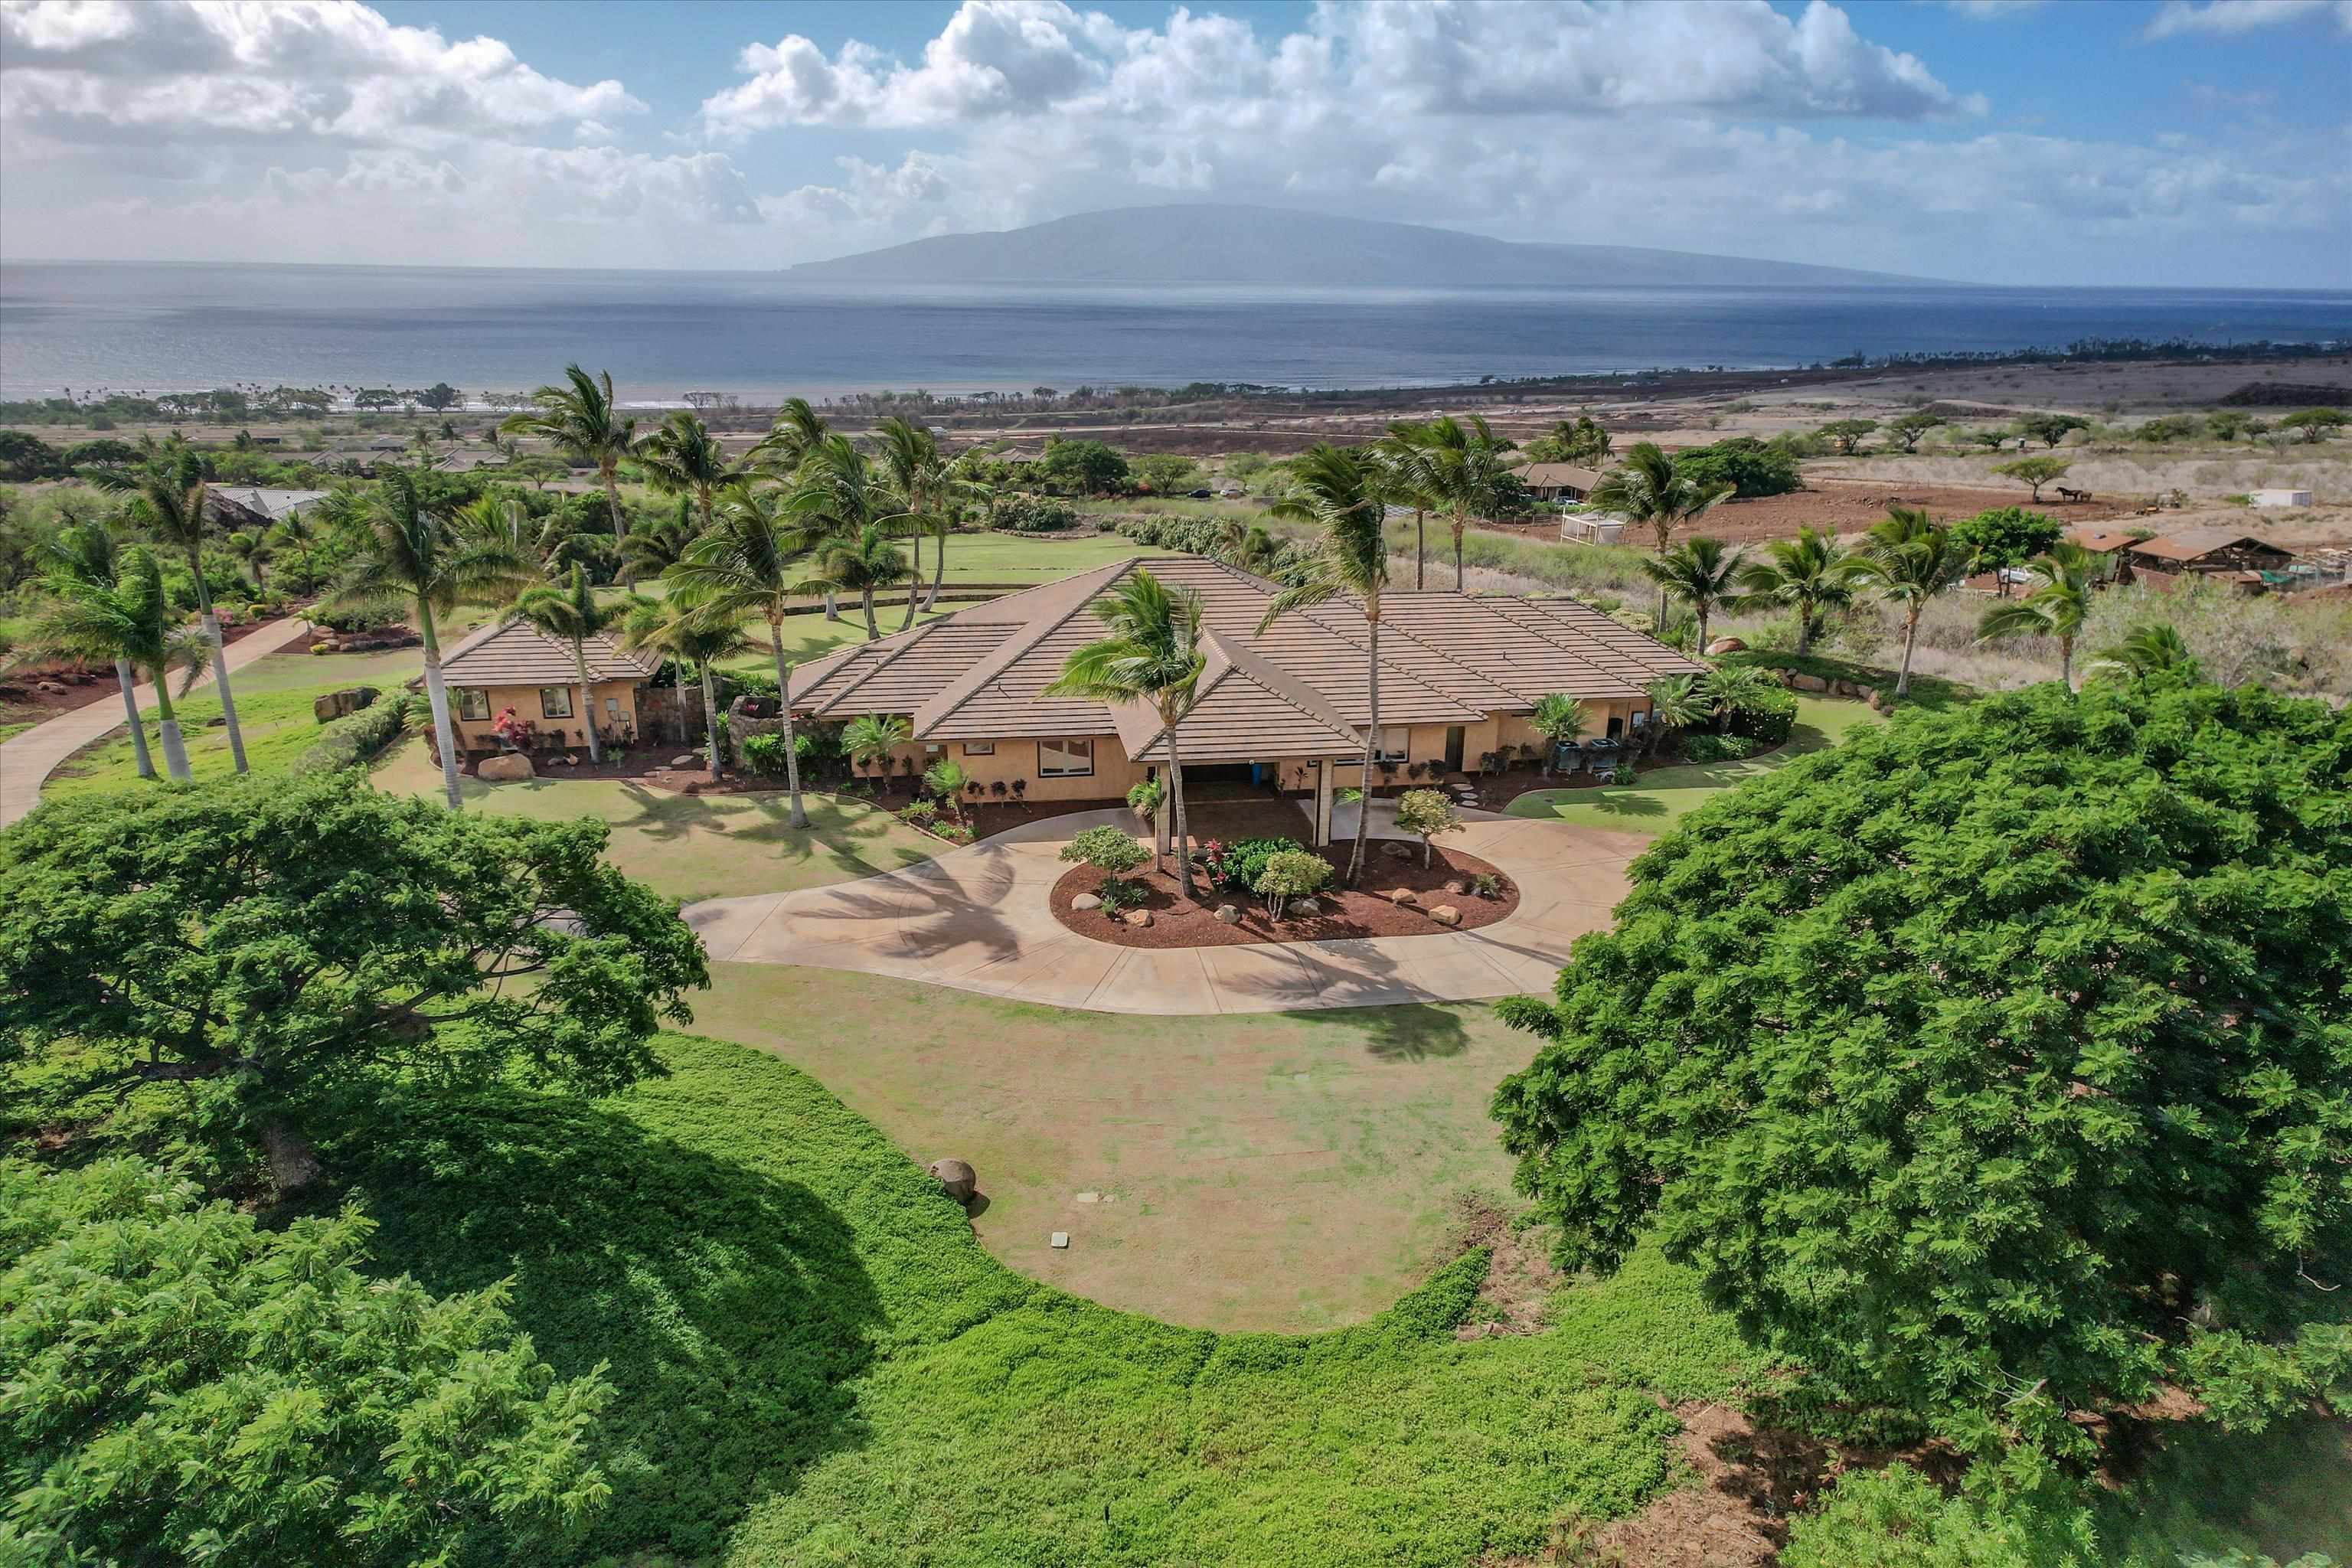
(979, 919)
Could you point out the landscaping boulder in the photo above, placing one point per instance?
(1880, 703)
(510, 767)
(1137, 917)
(956, 1178)
(1228, 915)
(1397, 849)
(52, 688)
(1803, 682)
(1404, 898)
(1302, 908)
(1086, 901)
(338, 704)
(1457, 885)
(1446, 915)
(1725, 644)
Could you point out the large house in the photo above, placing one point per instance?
(501, 668)
(1286, 706)
(2223, 554)
(1557, 482)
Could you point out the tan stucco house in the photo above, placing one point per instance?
(1286, 707)
(504, 667)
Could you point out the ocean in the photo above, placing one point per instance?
(153, 328)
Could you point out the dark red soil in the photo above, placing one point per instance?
(22, 700)
(1347, 912)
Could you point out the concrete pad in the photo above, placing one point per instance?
(1455, 968)
(1174, 981)
(1059, 973)
(1250, 979)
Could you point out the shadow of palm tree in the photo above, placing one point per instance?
(1411, 1032)
(1633, 803)
(730, 1310)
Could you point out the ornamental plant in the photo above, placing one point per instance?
(1426, 812)
(1112, 853)
(1291, 874)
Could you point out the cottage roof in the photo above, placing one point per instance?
(1553, 476)
(2196, 543)
(2102, 541)
(501, 654)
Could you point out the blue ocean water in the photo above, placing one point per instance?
(134, 327)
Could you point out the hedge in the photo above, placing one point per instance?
(353, 740)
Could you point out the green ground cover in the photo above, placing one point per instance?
(1011, 558)
(1663, 796)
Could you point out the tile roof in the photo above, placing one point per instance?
(517, 654)
(2192, 544)
(1551, 476)
(1299, 688)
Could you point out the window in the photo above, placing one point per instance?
(979, 748)
(1391, 746)
(555, 702)
(613, 709)
(1066, 758)
(473, 702)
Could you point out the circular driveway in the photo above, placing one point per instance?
(977, 917)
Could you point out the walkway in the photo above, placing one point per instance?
(32, 756)
(978, 919)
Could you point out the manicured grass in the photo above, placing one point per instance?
(691, 847)
(1930, 692)
(1663, 796)
(1041, 558)
(1286, 1171)
(818, 1364)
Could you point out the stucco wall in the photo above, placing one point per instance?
(1012, 759)
(476, 735)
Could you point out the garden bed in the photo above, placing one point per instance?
(1346, 912)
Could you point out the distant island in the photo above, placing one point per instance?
(1275, 247)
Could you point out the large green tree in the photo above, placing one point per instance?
(929, 486)
(187, 1385)
(1700, 573)
(2054, 606)
(84, 554)
(1461, 470)
(1809, 575)
(1995, 1064)
(276, 940)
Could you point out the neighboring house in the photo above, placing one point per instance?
(2217, 552)
(2111, 543)
(502, 666)
(2280, 498)
(258, 507)
(1556, 482)
(1459, 675)
(466, 459)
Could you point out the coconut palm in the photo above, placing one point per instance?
(1406, 482)
(657, 544)
(299, 531)
(2055, 607)
(582, 419)
(86, 554)
(252, 551)
(748, 562)
(1646, 489)
(835, 498)
(167, 497)
(928, 485)
(1700, 573)
(872, 739)
(1809, 574)
(1558, 719)
(128, 619)
(420, 558)
(1676, 703)
(795, 432)
(1154, 655)
(688, 637)
(571, 611)
(1337, 491)
(2152, 648)
(1462, 469)
(866, 561)
(1908, 560)
(679, 457)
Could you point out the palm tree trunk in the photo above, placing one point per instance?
(2066, 661)
(1420, 549)
(437, 697)
(1701, 608)
(832, 607)
(175, 754)
(587, 699)
(1371, 742)
(939, 567)
(710, 718)
(1910, 641)
(1458, 526)
(784, 707)
(220, 659)
(1183, 826)
(677, 689)
(127, 680)
(865, 602)
(620, 533)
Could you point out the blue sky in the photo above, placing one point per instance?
(2144, 142)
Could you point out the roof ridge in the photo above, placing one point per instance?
(1051, 618)
(906, 640)
(1288, 688)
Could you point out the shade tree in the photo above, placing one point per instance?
(2035, 472)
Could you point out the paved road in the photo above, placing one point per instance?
(32, 756)
(978, 919)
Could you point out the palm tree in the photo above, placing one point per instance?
(1406, 482)
(859, 565)
(582, 419)
(1676, 703)
(570, 611)
(1910, 561)
(1338, 490)
(656, 544)
(796, 432)
(167, 497)
(748, 562)
(420, 557)
(2055, 607)
(928, 483)
(1463, 469)
(299, 530)
(688, 637)
(872, 738)
(833, 501)
(1809, 574)
(679, 457)
(1648, 489)
(127, 619)
(1153, 655)
(252, 550)
(1558, 719)
(85, 553)
(2152, 648)
(1700, 573)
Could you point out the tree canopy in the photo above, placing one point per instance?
(1994, 1064)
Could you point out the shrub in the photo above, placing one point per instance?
(765, 754)
(1426, 812)
(1750, 467)
(1290, 874)
(1108, 850)
(353, 740)
(1192, 535)
(1487, 885)
(1030, 514)
(1245, 860)
(1766, 716)
(1705, 748)
(919, 813)
(1624, 775)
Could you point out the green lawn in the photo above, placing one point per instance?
(1663, 796)
(1008, 558)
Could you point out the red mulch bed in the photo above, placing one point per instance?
(1347, 912)
(23, 700)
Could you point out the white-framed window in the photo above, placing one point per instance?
(555, 702)
(1392, 745)
(613, 709)
(979, 748)
(473, 702)
(1066, 758)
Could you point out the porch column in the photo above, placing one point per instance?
(1323, 803)
(1162, 820)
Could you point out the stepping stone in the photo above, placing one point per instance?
(1090, 1197)
(1062, 1239)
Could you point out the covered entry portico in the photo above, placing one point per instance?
(1311, 784)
